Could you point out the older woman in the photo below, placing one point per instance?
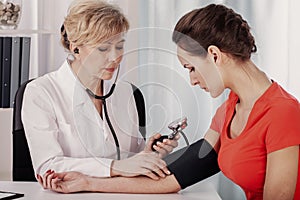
(75, 119)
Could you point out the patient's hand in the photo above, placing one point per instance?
(66, 182)
(163, 148)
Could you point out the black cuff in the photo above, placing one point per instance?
(193, 163)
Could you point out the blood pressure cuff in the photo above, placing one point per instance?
(193, 163)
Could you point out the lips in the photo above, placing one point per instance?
(111, 70)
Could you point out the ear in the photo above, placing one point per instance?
(215, 53)
(72, 47)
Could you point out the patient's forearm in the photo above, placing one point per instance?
(133, 185)
(189, 165)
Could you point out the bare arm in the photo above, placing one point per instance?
(281, 175)
(134, 185)
(69, 182)
(213, 138)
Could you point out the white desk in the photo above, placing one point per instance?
(33, 191)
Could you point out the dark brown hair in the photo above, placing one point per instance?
(214, 25)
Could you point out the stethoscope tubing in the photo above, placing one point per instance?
(103, 98)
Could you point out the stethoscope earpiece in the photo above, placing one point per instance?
(76, 50)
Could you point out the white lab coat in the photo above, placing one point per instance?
(64, 130)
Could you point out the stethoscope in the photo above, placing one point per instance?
(103, 98)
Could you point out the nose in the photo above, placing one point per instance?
(193, 79)
(114, 55)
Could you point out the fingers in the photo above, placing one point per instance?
(161, 172)
(152, 175)
(167, 146)
(174, 142)
(157, 167)
(155, 136)
(157, 173)
(46, 179)
(39, 179)
(61, 175)
(53, 183)
(49, 179)
(160, 149)
(151, 141)
(153, 159)
(56, 185)
(144, 163)
(60, 182)
(164, 147)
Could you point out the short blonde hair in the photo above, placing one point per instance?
(90, 22)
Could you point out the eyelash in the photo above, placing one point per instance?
(191, 69)
(119, 48)
(105, 49)
(102, 50)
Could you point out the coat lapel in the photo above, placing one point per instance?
(84, 106)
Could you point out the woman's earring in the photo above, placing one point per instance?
(71, 57)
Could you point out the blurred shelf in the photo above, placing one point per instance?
(25, 32)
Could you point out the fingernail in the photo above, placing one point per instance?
(168, 172)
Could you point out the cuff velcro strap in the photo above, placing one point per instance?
(193, 163)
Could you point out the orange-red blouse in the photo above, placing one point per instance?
(273, 124)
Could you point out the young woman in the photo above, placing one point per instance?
(255, 133)
(75, 119)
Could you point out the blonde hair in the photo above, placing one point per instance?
(90, 22)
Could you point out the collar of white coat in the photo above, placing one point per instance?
(81, 101)
(78, 90)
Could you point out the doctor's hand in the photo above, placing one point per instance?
(66, 182)
(46, 179)
(162, 148)
(144, 163)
